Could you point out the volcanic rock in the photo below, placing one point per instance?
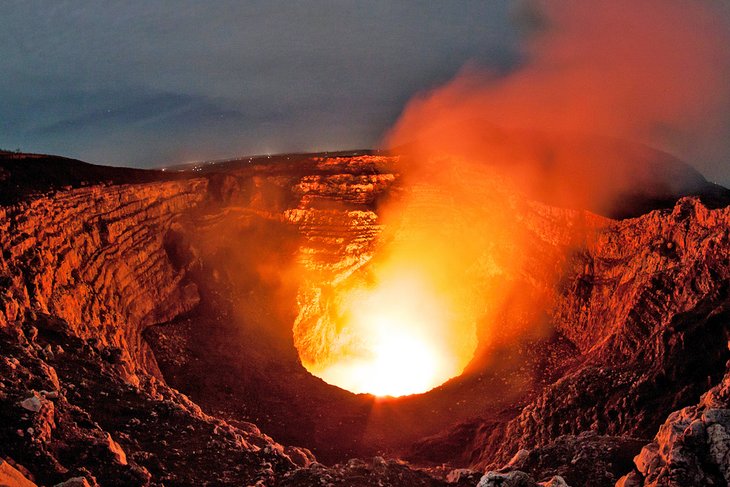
(75, 482)
(12, 477)
(556, 481)
(33, 403)
(145, 337)
(692, 447)
(587, 459)
(517, 478)
(510, 479)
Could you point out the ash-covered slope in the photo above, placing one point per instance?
(633, 328)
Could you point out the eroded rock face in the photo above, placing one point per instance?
(636, 276)
(93, 260)
(632, 326)
(644, 301)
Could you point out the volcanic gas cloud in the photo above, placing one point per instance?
(598, 80)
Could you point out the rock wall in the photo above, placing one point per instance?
(639, 306)
(637, 276)
(95, 258)
(646, 304)
(83, 271)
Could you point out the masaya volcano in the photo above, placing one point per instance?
(523, 281)
(314, 319)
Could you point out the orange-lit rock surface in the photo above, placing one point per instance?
(691, 447)
(645, 304)
(94, 258)
(153, 327)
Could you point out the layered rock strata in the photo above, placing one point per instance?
(628, 329)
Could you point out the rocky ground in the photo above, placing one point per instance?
(120, 293)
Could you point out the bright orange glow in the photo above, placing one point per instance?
(397, 333)
(405, 314)
(462, 255)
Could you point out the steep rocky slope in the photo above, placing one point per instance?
(645, 303)
(95, 258)
(120, 291)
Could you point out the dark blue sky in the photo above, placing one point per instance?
(147, 83)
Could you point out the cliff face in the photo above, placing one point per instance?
(85, 270)
(601, 330)
(637, 276)
(95, 259)
(645, 303)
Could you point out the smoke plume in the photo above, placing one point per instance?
(654, 72)
(465, 267)
(572, 125)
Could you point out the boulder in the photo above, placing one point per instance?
(11, 476)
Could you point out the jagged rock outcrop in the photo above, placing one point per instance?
(638, 275)
(692, 447)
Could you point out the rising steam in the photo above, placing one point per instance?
(652, 71)
(568, 126)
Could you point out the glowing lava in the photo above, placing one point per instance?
(398, 315)
(396, 340)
